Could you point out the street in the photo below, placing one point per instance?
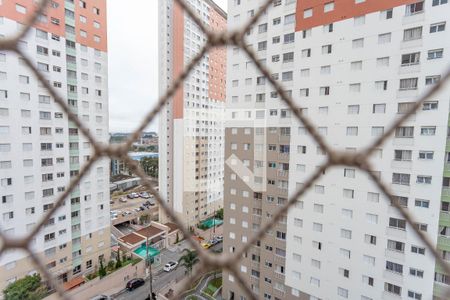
(161, 279)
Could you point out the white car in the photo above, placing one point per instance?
(170, 266)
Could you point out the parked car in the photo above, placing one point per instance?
(170, 266)
(111, 201)
(123, 199)
(101, 297)
(214, 241)
(144, 195)
(219, 238)
(206, 245)
(134, 195)
(134, 283)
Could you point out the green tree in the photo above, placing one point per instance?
(219, 214)
(102, 270)
(150, 166)
(27, 288)
(118, 261)
(188, 260)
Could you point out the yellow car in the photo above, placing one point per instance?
(206, 245)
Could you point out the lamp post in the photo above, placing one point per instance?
(149, 268)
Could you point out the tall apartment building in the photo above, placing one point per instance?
(191, 123)
(41, 150)
(353, 67)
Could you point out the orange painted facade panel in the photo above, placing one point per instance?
(8, 10)
(90, 14)
(343, 9)
(178, 58)
(217, 61)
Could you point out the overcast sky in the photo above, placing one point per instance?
(133, 61)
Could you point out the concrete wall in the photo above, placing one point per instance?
(98, 286)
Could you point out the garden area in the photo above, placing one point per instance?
(112, 266)
(213, 286)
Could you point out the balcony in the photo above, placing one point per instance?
(394, 232)
(443, 241)
(257, 203)
(397, 255)
(283, 155)
(413, 18)
(394, 277)
(447, 169)
(283, 173)
(75, 220)
(256, 219)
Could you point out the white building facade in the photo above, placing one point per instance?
(352, 67)
(41, 150)
(191, 123)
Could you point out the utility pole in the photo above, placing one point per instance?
(149, 268)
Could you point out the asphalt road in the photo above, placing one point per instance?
(159, 281)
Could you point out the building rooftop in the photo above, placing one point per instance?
(132, 239)
(149, 231)
(172, 226)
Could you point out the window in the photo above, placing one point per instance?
(439, 2)
(403, 155)
(414, 8)
(379, 108)
(370, 239)
(346, 234)
(342, 292)
(405, 107)
(377, 130)
(307, 13)
(401, 178)
(324, 91)
(429, 80)
(422, 203)
(289, 19)
(317, 227)
(262, 28)
(345, 253)
(386, 14)
(306, 53)
(437, 27)
(426, 155)
(394, 267)
(289, 38)
(404, 132)
(435, 53)
(418, 250)
(288, 57)
(397, 223)
(356, 65)
(383, 62)
(410, 59)
(428, 130)
(328, 7)
(352, 131)
(384, 38)
(358, 43)
(414, 295)
(412, 34)
(360, 20)
(353, 109)
(326, 49)
(287, 76)
(396, 246)
(408, 84)
(344, 272)
(391, 288)
(348, 193)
